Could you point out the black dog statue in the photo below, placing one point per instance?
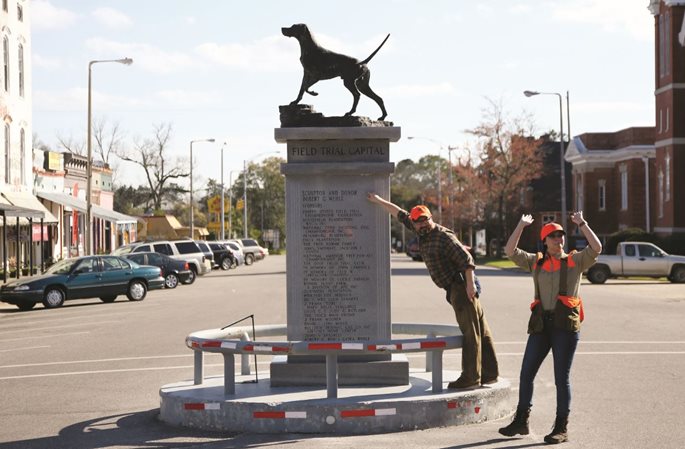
(321, 64)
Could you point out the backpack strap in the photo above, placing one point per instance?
(536, 273)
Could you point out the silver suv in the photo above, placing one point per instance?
(252, 250)
(186, 250)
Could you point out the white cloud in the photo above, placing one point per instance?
(46, 16)
(610, 15)
(271, 54)
(420, 90)
(520, 8)
(41, 62)
(187, 99)
(610, 106)
(151, 59)
(111, 18)
(278, 53)
(76, 99)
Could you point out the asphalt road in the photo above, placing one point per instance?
(88, 375)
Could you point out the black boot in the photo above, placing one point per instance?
(519, 426)
(559, 433)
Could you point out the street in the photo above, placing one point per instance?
(87, 375)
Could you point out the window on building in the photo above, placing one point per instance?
(6, 60)
(667, 119)
(22, 156)
(624, 186)
(661, 121)
(7, 153)
(20, 13)
(660, 182)
(667, 187)
(667, 44)
(20, 63)
(602, 195)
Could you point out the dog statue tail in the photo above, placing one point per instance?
(376, 51)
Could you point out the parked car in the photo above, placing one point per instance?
(237, 250)
(637, 259)
(209, 255)
(223, 257)
(413, 250)
(103, 277)
(173, 270)
(176, 249)
(252, 250)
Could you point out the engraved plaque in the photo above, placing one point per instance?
(339, 289)
(372, 150)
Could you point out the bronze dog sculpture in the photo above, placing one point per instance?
(321, 64)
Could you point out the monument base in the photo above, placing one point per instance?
(258, 408)
(350, 373)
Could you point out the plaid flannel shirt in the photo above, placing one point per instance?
(443, 253)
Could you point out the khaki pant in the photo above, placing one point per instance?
(478, 359)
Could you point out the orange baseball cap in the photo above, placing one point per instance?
(419, 211)
(549, 228)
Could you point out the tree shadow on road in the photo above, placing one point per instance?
(144, 430)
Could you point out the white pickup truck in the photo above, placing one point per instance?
(638, 259)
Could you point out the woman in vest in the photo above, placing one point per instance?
(556, 314)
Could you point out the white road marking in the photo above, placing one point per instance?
(128, 370)
(30, 337)
(74, 316)
(98, 360)
(84, 323)
(24, 349)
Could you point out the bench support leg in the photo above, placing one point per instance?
(332, 375)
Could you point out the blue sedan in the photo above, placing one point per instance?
(103, 277)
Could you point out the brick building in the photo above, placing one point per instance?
(636, 177)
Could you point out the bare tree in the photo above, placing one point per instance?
(510, 160)
(152, 155)
(108, 139)
(71, 145)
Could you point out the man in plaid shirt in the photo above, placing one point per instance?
(452, 268)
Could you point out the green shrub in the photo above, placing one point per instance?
(629, 235)
(673, 244)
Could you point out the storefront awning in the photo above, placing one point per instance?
(80, 206)
(27, 206)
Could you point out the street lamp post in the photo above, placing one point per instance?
(230, 201)
(245, 161)
(192, 226)
(222, 192)
(529, 93)
(450, 194)
(89, 163)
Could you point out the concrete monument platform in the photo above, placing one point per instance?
(259, 408)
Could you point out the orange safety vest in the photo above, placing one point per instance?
(571, 304)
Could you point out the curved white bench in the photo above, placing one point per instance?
(231, 341)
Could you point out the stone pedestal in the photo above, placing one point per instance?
(338, 243)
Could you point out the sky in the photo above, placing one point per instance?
(220, 69)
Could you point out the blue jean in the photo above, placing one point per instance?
(563, 345)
